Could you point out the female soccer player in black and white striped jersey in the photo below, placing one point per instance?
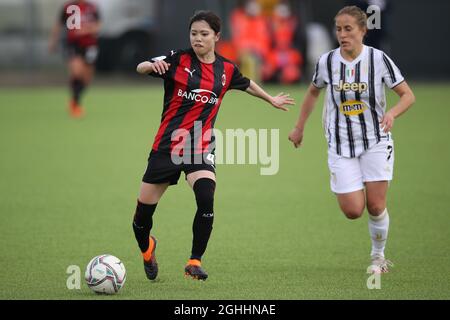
(195, 82)
(356, 124)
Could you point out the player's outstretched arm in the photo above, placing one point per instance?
(296, 135)
(279, 101)
(54, 35)
(159, 67)
(407, 99)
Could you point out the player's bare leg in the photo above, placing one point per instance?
(376, 193)
(152, 193)
(88, 73)
(203, 183)
(352, 204)
(148, 199)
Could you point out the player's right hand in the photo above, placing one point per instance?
(160, 66)
(296, 136)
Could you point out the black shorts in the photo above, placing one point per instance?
(161, 168)
(88, 54)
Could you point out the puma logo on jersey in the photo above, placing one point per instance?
(189, 71)
(354, 86)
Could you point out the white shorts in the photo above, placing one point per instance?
(374, 164)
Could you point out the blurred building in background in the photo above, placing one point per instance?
(273, 40)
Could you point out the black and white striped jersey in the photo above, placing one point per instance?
(355, 101)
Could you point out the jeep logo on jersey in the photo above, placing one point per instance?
(352, 107)
(198, 95)
(354, 86)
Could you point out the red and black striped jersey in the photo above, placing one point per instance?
(88, 14)
(193, 92)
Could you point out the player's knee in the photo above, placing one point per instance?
(151, 194)
(352, 209)
(353, 213)
(375, 208)
(204, 189)
(76, 68)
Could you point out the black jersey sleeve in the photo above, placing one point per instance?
(238, 81)
(170, 58)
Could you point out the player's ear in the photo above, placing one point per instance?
(364, 32)
(217, 38)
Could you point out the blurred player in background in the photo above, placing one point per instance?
(195, 82)
(356, 124)
(284, 60)
(250, 37)
(80, 22)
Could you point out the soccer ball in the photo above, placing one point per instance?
(105, 274)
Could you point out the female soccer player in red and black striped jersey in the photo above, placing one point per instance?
(195, 82)
(357, 125)
(81, 22)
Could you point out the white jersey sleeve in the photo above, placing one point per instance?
(390, 72)
(319, 79)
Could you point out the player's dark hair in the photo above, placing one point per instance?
(210, 17)
(355, 12)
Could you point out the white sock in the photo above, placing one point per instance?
(378, 229)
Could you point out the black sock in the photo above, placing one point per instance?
(203, 222)
(77, 86)
(142, 223)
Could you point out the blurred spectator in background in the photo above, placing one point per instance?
(284, 60)
(250, 37)
(80, 22)
(377, 38)
(262, 41)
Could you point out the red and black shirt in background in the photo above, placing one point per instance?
(88, 14)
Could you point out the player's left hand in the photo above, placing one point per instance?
(282, 99)
(387, 122)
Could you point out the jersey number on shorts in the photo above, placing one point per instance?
(390, 149)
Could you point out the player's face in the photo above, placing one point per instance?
(203, 38)
(348, 33)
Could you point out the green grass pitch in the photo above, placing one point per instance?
(68, 190)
